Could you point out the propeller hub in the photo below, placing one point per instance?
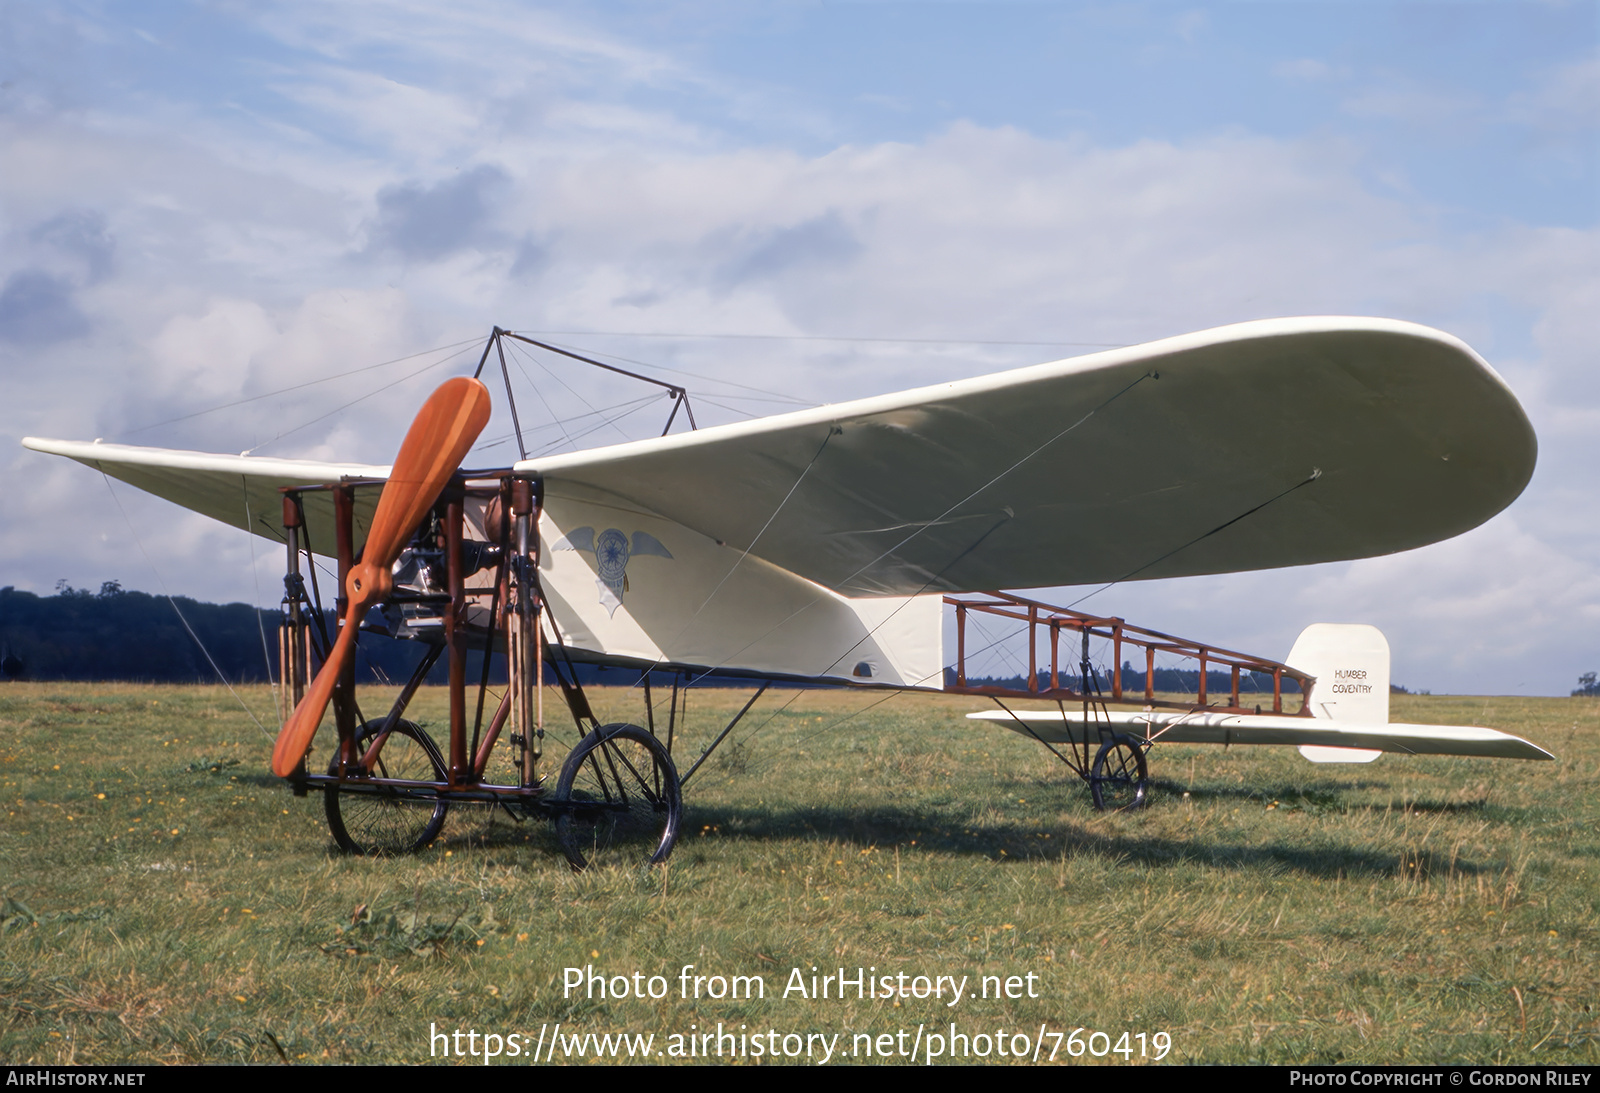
(368, 583)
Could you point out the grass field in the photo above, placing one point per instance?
(164, 899)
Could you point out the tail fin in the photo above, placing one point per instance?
(1351, 664)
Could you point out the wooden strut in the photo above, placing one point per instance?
(293, 650)
(455, 637)
(344, 690)
(525, 631)
(1052, 621)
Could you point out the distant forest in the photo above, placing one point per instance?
(1253, 686)
(118, 635)
(115, 634)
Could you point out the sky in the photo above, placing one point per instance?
(276, 226)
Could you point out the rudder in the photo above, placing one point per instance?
(1351, 666)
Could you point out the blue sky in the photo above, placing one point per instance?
(204, 203)
(1456, 99)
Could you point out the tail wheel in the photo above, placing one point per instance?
(372, 820)
(618, 801)
(1119, 779)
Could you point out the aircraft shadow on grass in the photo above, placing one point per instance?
(886, 827)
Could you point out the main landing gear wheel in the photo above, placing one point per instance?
(618, 801)
(1119, 779)
(378, 821)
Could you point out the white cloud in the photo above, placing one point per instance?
(1308, 70)
(1566, 99)
(1413, 104)
(204, 356)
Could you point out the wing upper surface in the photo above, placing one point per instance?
(1266, 444)
(236, 489)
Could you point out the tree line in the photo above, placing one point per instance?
(120, 635)
(1253, 686)
(116, 634)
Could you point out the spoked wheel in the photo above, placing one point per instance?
(1119, 779)
(618, 801)
(374, 821)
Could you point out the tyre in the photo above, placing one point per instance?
(373, 820)
(618, 801)
(1119, 779)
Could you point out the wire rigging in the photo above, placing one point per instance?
(555, 418)
(1316, 473)
(255, 575)
(635, 407)
(517, 351)
(176, 609)
(627, 407)
(308, 383)
(778, 396)
(923, 526)
(824, 338)
(833, 431)
(353, 402)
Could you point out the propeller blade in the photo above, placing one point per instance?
(295, 736)
(445, 428)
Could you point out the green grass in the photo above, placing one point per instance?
(164, 899)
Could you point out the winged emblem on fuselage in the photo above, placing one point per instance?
(612, 549)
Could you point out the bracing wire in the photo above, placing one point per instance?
(946, 513)
(255, 576)
(301, 386)
(518, 351)
(355, 401)
(1316, 473)
(724, 406)
(832, 432)
(633, 408)
(923, 526)
(570, 439)
(627, 408)
(775, 396)
(177, 610)
(825, 338)
(920, 528)
(555, 418)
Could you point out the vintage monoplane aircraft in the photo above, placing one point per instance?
(827, 545)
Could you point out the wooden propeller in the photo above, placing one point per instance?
(446, 427)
